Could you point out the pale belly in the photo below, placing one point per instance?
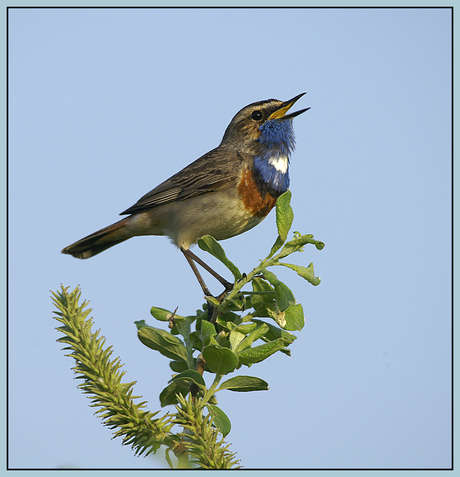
(185, 222)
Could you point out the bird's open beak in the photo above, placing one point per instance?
(280, 113)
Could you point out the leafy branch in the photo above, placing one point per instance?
(237, 337)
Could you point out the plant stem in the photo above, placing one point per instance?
(210, 392)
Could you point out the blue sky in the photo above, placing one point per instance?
(104, 104)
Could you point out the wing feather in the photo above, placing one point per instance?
(209, 173)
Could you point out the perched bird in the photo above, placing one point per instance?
(224, 193)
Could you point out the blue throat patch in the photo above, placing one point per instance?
(272, 164)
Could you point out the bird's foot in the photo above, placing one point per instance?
(212, 310)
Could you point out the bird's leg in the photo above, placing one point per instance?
(189, 255)
(202, 283)
(191, 259)
(196, 272)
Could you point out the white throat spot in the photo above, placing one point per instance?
(280, 163)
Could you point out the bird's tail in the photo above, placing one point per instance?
(100, 240)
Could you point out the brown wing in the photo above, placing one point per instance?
(207, 174)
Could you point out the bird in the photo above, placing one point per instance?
(225, 192)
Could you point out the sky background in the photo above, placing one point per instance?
(104, 104)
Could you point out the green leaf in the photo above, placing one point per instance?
(219, 419)
(190, 376)
(209, 244)
(208, 331)
(297, 244)
(244, 384)
(284, 214)
(277, 315)
(221, 338)
(178, 366)
(261, 286)
(253, 336)
(319, 245)
(284, 295)
(212, 300)
(220, 360)
(161, 314)
(274, 333)
(182, 325)
(259, 353)
(195, 340)
(291, 319)
(212, 399)
(140, 324)
(162, 341)
(305, 272)
(168, 395)
(235, 338)
(263, 292)
(245, 334)
(295, 319)
(246, 328)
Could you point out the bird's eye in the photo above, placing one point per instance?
(256, 115)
